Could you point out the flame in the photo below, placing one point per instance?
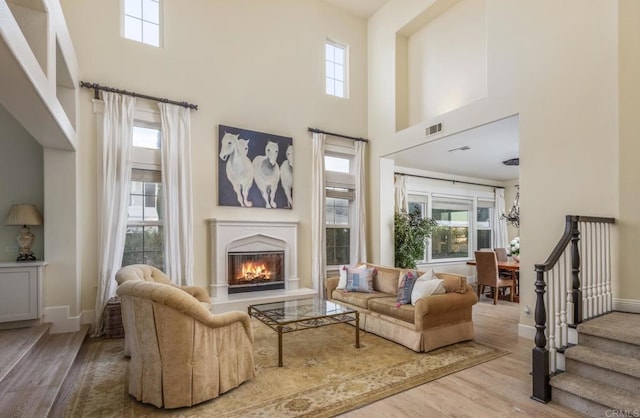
(251, 271)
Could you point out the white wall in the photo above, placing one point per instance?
(554, 64)
(448, 68)
(251, 64)
(20, 182)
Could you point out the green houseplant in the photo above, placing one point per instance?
(411, 232)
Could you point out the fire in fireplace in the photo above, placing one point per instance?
(255, 271)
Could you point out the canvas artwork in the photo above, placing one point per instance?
(255, 169)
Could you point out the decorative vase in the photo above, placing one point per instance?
(516, 258)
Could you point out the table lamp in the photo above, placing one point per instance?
(24, 214)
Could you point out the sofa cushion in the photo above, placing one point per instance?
(386, 279)
(389, 306)
(453, 282)
(405, 286)
(360, 280)
(361, 300)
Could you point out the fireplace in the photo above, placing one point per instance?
(250, 271)
(276, 239)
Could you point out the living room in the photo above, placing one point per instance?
(566, 70)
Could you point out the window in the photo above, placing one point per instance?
(144, 242)
(141, 21)
(451, 238)
(339, 198)
(338, 232)
(484, 224)
(464, 217)
(335, 63)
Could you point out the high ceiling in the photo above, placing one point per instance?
(362, 8)
(488, 146)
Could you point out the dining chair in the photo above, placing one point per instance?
(487, 274)
(501, 254)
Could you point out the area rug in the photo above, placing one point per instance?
(323, 375)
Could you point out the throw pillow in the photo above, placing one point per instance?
(360, 280)
(342, 283)
(405, 286)
(426, 285)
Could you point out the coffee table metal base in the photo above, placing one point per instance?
(283, 319)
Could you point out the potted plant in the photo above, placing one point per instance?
(411, 232)
(514, 248)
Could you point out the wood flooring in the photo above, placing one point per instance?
(498, 388)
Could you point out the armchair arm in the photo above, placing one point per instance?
(330, 284)
(183, 302)
(443, 303)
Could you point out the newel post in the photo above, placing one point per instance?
(540, 355)
(576, 292)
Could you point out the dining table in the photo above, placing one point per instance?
(511, 266)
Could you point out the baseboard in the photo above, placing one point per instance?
(626, 305)
(526, 331)
(61, 320)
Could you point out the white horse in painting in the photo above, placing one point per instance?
(267, 173)
(286, 175)
(234, 151)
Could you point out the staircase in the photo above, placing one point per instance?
(602, 372)
(34, 365)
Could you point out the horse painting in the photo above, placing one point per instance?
(286, 175)
(234, 151)
(267, 173)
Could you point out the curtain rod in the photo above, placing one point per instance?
(454, 181)
(96, 87)
(320, 131)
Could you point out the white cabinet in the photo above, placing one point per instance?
(21, 291)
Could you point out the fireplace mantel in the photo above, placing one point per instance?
(232, 235)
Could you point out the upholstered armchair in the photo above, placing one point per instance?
(181, 353)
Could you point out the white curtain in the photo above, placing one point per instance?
(117, 137)
(402, 202)
(318, 247)
(500, 235)
(359, 249)
(176, 183)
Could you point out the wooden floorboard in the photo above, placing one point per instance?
(497, 388)
(16, 343)
(30, 388)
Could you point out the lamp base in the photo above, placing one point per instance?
(26, 257)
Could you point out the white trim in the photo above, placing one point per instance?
(626, 305)
(526, 331)
(61, 320)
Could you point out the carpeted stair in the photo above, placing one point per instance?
(603, 370)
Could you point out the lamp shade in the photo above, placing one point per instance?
(23, 214)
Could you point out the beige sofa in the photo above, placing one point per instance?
(181, 353)
(435, 321)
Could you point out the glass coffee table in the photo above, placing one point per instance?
(298, 315)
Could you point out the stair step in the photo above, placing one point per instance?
(32, 386)
(618, 326)
(597, 365)
(16, 343)
(591, 397)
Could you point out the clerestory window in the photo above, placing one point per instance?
(141, 21)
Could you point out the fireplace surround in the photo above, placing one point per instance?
(235, 237)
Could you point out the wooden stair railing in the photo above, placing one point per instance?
(569, 300)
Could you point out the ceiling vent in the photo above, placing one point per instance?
(513, 161)
(433, 129)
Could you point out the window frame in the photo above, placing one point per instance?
(147, 159)
(345, 68)
(341, 149)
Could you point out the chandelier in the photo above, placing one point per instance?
(514, 214)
